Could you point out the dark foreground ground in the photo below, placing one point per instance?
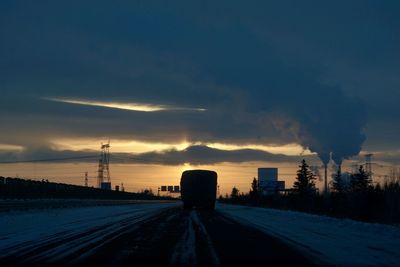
(175, 237)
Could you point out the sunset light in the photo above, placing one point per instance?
(199, 133)
(125, 106)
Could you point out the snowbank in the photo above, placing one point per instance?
(329, 241)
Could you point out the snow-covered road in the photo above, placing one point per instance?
(160, 234)
(165, 234)
(328, 241)
(56, 234)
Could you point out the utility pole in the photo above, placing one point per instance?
(326, 180)
(86, 179)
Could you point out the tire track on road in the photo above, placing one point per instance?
(187, 249)
(75, 244)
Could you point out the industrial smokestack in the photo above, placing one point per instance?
(335, 131)
(326, 180)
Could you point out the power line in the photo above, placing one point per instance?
(50, 168)
(46, 160)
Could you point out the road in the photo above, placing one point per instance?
(21, 204)
(149, 235)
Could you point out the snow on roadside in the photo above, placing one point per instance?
(22, 230)
(330, 241)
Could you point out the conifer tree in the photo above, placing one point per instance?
(305, 179)
(235, 193)
(360, 181)
(254, 188)
(338, 184)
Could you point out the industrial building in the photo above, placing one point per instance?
(268, 182)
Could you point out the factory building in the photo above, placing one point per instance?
(268, 182)
(105, 185)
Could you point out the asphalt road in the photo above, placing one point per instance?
(174, 237)
(40, 204)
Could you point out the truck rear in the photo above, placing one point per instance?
(199, 189)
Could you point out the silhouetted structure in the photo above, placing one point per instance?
(326, 180)
(86, 179)
(170, 188)
(103, 173)
(268, 181)
(199, 188)
(368, 165)
(353, 196)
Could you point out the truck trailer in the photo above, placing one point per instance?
(199, 189)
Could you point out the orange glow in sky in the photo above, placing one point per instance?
(133, 146)
(136, 177)
(141, 176)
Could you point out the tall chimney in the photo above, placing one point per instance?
(326, 180)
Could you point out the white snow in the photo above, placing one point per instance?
(185, 250)
(24, 232)
(206, 236)
(328, 241)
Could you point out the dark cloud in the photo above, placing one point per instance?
(202, 155)
(266, 72)
(48, 155)
(194, 155)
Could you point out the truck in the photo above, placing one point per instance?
(199, 189)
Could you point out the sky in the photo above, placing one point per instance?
(227, 85)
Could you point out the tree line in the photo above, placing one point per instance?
(355, 197)
(17, 188)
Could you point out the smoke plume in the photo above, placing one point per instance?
(326, 122)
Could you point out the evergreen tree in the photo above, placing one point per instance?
(254, 188)
(360, 181)
(338, 183)
(235, 193)
(305, 179)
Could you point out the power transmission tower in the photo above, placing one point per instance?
(86, 179)
(103, 173)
